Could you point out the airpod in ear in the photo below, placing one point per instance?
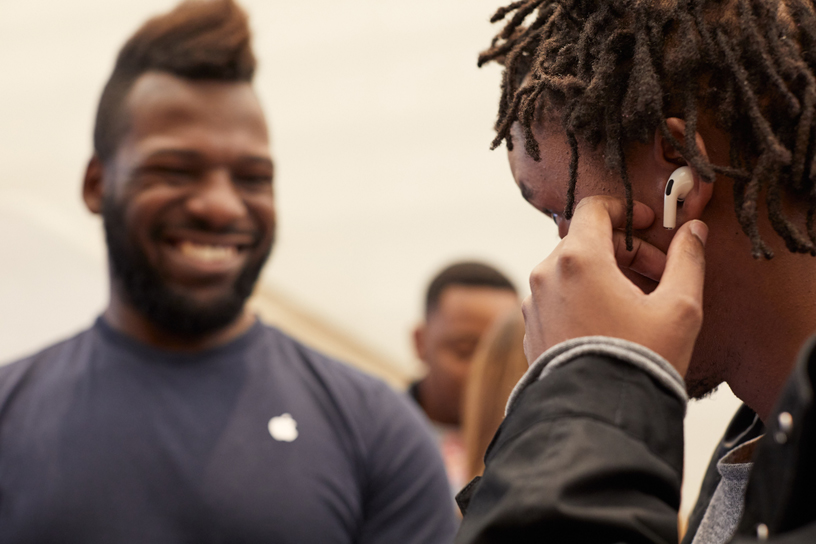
(677, 188)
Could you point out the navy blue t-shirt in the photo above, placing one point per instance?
(104, 439)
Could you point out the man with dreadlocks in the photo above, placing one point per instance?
(601, 101)
(178, 417)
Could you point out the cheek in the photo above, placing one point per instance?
(140, 213)
(146, 212)
(656, 236)
(262, 208)
(150, 199)
(597, 181)
(458, 367)
(450, 362)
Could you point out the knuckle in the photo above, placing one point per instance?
(688, 309)
(570, 261)
(526, 307)
(538, 277)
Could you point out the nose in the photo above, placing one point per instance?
(563, 225)
(216, 200)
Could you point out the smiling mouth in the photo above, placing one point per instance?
(194, 255)
(207, 253)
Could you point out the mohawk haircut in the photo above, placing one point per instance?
(198, 40)
(469, 274)
(616, 69)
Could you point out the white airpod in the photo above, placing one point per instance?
(680, 183)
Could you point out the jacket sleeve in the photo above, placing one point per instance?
(592, 452)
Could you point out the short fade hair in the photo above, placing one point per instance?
(198, 40)
(469, 274)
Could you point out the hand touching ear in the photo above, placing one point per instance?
(579, 290)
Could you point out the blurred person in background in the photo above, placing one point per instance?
(461, 304)
(178, 417)
(498, 364)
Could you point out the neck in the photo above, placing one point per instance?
(775, 319)
(127, 320)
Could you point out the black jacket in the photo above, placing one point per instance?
(594, 453)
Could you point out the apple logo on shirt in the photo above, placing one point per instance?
(283, 428)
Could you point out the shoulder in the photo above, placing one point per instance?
(62, 350)
(49, 364)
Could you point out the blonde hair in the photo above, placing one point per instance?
(497, 365)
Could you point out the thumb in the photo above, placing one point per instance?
(685, 263)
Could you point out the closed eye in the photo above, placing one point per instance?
(174, 175)
(259, 179)
(551, 214)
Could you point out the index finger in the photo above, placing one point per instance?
(597, 216)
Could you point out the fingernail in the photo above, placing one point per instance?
(700, 230)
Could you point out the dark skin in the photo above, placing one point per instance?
(447, 341)
(194, 153)
(757, 313)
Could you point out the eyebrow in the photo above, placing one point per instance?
(193, 155)
(175, 153)
(262, 161)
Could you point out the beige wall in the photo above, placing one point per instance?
(381, 125)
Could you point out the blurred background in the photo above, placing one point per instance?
(381, 125)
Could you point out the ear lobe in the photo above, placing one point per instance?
(668, 159)
(419, 342)
(93, 186)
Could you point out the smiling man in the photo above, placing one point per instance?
(178, 417)
(188, 207)
(602, 101)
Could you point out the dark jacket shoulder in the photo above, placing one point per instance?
(781, 497)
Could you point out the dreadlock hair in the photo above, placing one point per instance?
(198, 40)
(466, 273)
(615, 69)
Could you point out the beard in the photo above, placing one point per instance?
(167, 308)
(699, 388)
(702, 378)
(716, 355)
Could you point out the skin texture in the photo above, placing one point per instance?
(447, 341)
(582, 272)
(193, 168)
(756, 313)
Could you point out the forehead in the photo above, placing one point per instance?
(555, 155)
(462, 305)
(544, 183)
(163, 107)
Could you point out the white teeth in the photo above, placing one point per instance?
(207, 253)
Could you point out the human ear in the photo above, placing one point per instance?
(93, 190)
(668, 160)
(419, 342)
